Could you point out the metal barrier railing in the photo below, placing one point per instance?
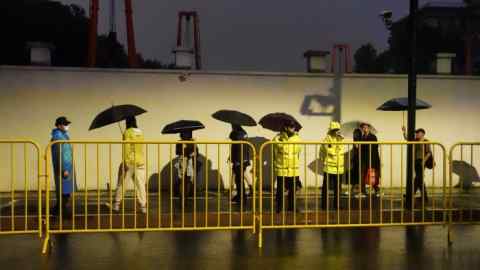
(20, 189)
(464, 159)
(389, 200)
(176, 186)
(194, 191)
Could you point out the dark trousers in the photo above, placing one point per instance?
(64, 198)
(418, 184)
(183, 188)
(333, 181)
(286, 183)
(239, 172)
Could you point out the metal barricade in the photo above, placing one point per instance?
(20, 189)
(360, 195)
(464, 159)
(177, 186)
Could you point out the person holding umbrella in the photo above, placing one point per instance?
(239, 153)
(187, 157)
(132, 166)
(286, 156)
(187, 164)
(240, 159)
(287, 163)
(333, 155)
(62, 159)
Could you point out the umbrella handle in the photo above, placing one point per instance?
(120, 127)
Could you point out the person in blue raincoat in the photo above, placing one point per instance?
(62, 159)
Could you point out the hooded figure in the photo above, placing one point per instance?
(63, 170)
(287, 163)
(240, 158)
(333, 158)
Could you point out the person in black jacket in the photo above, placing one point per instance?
(187, 165)
(240, 159)
(368, 157)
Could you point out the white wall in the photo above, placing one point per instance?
(32, 97)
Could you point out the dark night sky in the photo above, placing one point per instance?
(268, 35)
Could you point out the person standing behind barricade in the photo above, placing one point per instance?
(240, 159)
(369, 161)
(63, 170)
(423, 158)
(286, 162)
(333, 159)
(133, 165)
(185, 165)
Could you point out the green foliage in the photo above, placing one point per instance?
(365, 59)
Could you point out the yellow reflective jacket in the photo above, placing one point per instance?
(133, 154)
(286, 156)
(333, 155)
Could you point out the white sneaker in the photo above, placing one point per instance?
(360, 195)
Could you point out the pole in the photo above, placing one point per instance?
(92, 33)
(132, 52)
(412, 98)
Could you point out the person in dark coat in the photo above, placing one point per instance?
(63, 171)
(187, 165)
(240, 159)
(368, 157)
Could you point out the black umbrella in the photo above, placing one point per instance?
(277, 121)
(115, 114)
(182, 126)
(401, 104)
(234, 117)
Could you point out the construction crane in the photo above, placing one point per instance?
(93, 32)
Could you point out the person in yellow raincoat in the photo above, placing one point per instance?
(333, 164)
(286, 162)
(132, 167)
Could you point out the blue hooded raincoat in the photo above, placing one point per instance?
(62, 156)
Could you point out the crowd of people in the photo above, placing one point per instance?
(365, 160)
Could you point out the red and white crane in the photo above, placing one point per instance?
(93, 32)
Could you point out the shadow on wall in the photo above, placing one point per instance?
(325, 104)
(168, 175)
(266, 160)
(466, 172)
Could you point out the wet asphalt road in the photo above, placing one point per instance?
(370, 248)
